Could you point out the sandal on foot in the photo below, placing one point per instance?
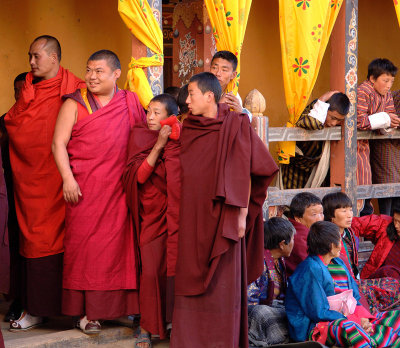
(143, 338)
(25, 322)
(89, 327)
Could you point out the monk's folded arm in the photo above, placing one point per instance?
(62, 134)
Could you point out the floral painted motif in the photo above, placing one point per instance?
(300, 66)
(303, 3)
(187, 58)
(141, 3)
(229, 18)
(317, 32)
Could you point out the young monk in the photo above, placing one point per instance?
(220, 156)
(152, 184)
(90, 147)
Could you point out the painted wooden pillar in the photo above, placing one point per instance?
(344, 78)
(193, 42)
(154, 73)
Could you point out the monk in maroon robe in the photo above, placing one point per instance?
(90, 147)
(152, 183)
(226, 170)
(37, 183)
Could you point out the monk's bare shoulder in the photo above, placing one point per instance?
(69, 110)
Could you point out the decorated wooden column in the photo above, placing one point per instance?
(154, 73)
(193, 42)
(344, 78)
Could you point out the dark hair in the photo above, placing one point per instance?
(380, 66)
(333, 201)
(207, 82)
(227, 55)
(390, 229)
(20, 77)
(321, 236)
(182, 96)
(301, 202)
(276, 230)
(52, 45)
(111, 58)
(339, 102)
(172, 90)
(169, 102)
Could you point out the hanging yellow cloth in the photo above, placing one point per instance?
(305, 27)
(139, 18)
(229, 20)
(397, 7)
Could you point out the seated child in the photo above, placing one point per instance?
(267, 318)
(152, 184)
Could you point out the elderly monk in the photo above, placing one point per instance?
(37, 183)
(226, 170)
(90, 148)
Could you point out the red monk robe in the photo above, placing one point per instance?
(218, 158)
(4, 244)
(155, 209)
(99, 259)
(38, 188)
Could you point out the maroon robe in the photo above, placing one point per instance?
(4, 244)
(99, 245)
(218, 158)
(155, 209)
(299, 252)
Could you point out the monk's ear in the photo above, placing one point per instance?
(117, 73)
(54, 57)
(210, 96)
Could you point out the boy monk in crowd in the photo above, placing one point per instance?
(223, 163)
(152, 184)
(90, 147)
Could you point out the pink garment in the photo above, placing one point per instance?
(344, 302)
(100, 250)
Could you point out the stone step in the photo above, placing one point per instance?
(73, 338)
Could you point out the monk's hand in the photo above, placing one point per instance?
(394, 120)
(242, 222)
(71, 190)
(366, 325)
(232, 101)
(163, 136)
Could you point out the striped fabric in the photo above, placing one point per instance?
(346, 333)
(339, 277)
(384, 164)
(296, 173)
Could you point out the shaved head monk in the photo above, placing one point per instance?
(37, 183)
(90, 148)
(226, 170)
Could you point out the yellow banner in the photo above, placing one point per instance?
(305, 27)
(397, 7)
(139, 18)
(229, 20)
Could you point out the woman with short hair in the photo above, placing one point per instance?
(319, 278)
